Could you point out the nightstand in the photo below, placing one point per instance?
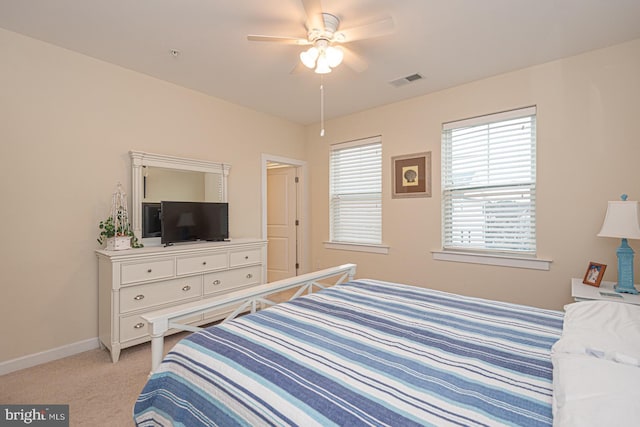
(582, 292)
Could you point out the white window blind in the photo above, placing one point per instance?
(356, 192)
(489, 183)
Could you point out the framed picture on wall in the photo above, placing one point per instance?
(411, 175)
(594, 274)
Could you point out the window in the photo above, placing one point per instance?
(489, 183)
(355, 191)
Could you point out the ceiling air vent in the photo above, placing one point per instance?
(405, 80)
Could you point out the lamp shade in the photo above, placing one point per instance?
(621, 220)
(334, 56)
(322, 66)
(309, 57)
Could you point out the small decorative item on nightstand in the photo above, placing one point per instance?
(594, 274)
(621, 221)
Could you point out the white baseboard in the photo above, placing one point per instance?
(48, 356)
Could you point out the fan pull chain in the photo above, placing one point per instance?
(321, 108)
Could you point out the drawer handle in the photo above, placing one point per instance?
(186, 288)
(149, 271)
(246, 257)
(249, 276)
(138, 325)
(138, 297)
(204, 262)
(216, 282)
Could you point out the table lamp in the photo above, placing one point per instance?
(621, 221)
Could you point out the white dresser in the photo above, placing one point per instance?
(136, 281)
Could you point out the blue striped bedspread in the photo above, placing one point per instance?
(362, 353)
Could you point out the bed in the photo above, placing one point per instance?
(364, 352)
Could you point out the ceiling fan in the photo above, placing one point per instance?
(327, 39)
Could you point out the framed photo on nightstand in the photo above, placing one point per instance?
(594, 274)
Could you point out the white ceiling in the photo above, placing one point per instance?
(449, 42)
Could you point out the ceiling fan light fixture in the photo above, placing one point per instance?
(322, 57)
(322, 65)
(309, 57)
(334, 56)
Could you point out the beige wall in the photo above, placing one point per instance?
(588, 153)
(67, 123)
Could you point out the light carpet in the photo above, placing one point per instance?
(98, 392)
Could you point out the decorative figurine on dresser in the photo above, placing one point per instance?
(139, 280)
(116, 230)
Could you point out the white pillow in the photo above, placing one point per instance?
(602, 329)
(590, 392)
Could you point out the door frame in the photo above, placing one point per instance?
(302, 208)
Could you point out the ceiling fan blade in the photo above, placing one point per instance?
(313, 9)
(354, 61)
(285, 40)
(375, 29)
(299, 68)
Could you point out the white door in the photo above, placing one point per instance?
(281, 223)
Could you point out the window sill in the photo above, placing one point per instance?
(358, 247)
(499, 260)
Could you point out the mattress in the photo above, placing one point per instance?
(365, 352)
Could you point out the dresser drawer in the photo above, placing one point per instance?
(199, 264)
(152, 294)
(134, 326)
(226, 281)
(240, 258)
(148, 270)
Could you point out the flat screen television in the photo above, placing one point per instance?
(193, 221)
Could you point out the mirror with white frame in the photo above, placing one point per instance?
(157, 177)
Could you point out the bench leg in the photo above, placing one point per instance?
(157, 350)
